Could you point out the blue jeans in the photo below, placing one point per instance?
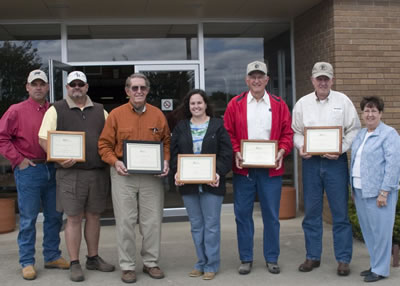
(36, 186)
(269, 191)
(204, 210)
(321, 174)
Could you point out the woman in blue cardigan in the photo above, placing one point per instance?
(201, 133)
(375, 174)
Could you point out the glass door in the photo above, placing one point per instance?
(58, 72)
(169, 85)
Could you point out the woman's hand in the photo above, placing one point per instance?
(381, 201)
(176, 182)
(216, 183)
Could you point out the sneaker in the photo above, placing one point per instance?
(154, 272)
(245, 268)
(128, 276)
(76, 273)
(196, 273)
(29, 272)
(208, 275)
(60, 263)
(97, 263)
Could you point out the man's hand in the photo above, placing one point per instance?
(238, 160)
(303, 154)
(68, 163)
(330, 156)
(176, 182)
(120, 168)
(25, 164)
(165, 170)
(279, 158)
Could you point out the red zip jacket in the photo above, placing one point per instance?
(235, 119)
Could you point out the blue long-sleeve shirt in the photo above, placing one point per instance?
(380, 160)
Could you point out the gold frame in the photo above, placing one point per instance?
(50, 140)
(307, 131)
(212, 179)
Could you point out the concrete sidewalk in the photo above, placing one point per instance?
(178, 258)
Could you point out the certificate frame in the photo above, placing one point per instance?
(250, 146)
(143, 157)
(59, 146)
(206, 176)
(321, 140)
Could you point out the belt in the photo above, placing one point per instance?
(39, 161)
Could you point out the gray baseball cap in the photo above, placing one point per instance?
(322, 68)
(256, 66)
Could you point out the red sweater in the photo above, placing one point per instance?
(235, 119)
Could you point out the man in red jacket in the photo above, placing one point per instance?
(256, 114)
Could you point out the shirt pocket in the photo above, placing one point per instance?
(155, 133)
(125, 133)
(337, 116)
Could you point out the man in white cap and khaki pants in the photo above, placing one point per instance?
(82, 187)
(34, 178)
(327, 172)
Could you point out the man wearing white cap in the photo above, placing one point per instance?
(81, 187)
(257, 114)
(327, 172)
(34, 178)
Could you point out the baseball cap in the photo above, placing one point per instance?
(322, 68)
(256, 66)
(37, 74)
(76, 75)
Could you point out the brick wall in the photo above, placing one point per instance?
(361, 39)
(367, 52)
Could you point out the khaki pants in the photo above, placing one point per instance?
(137, 197)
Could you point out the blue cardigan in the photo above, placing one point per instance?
(380, 160)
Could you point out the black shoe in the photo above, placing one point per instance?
(372, 277)
(245, 268)
(365, 272)
(273, 268)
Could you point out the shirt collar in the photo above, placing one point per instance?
(133, 108)
(325, 100)
(72, 104)
(37, 105)
(250, 98)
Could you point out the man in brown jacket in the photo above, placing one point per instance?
(136, 195)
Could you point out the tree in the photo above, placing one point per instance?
(17, 60)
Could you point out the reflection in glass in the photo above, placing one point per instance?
(132, 42)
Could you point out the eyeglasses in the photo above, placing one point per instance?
(79, 83)
(136, 88)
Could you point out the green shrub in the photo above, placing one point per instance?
(356, 226)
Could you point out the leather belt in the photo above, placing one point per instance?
(38, 161)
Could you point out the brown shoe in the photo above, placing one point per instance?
(60, 263)
(343, 269)
(128, 276)
(208, 275)
(29, 272)
(309, 265)
(154, 272)
(196, 273)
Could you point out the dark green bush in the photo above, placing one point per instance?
(356, 227)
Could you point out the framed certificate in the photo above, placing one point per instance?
(144, 157)
(64, 145)
(196, 169)
(259, 153)
(320, 140)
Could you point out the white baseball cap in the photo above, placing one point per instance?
(37, 74)
(76, 75)
(256, 66)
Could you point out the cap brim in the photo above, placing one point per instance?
(315, 75)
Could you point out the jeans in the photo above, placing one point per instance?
(204, 210)
(36, 186)
(321, 174)
(377, 229)
(269, 191)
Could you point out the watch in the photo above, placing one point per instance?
(383, 194)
